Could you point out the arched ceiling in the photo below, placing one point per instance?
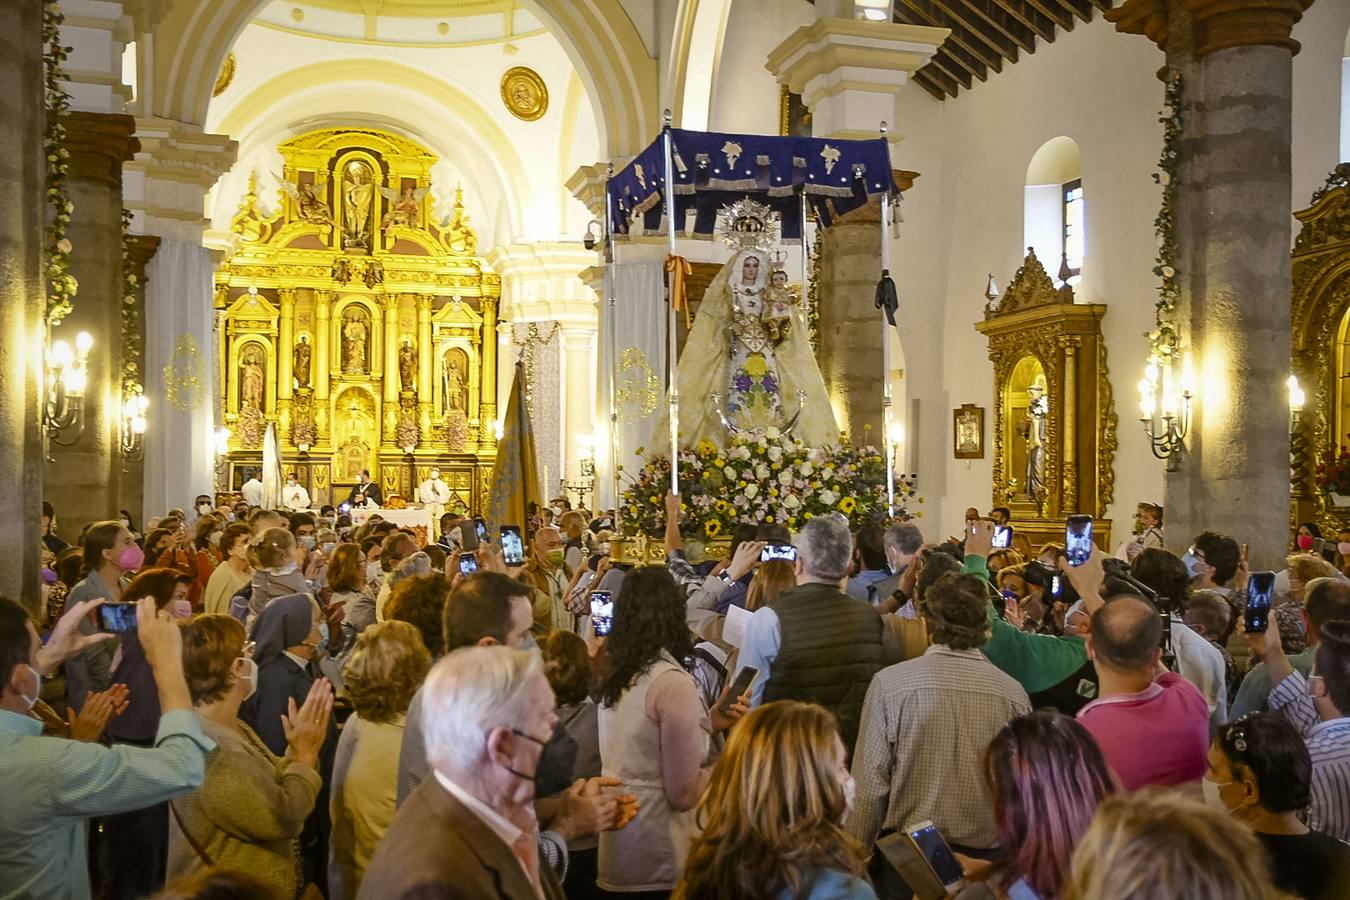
(597, 35)
(433, 23)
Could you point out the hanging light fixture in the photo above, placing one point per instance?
(65, 379)
(1165, 409)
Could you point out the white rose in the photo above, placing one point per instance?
(761, 472)
(772, 433)
(806, 469)
(785, 478)
(775, 454)
(828, 497)
(791, 502)
(751, 490)
(729, 473)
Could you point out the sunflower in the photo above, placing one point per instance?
(848, 505)
(712, 528)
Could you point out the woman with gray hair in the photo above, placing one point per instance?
(470, 830)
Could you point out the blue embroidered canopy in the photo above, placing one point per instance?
(714, 169)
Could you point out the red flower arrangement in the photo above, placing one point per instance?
(1333, 472)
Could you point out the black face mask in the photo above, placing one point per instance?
(557, 762)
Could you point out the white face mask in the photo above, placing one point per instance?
(435, 475)
(203, 508)
(329, 547)
(216, 536)
(37, 688)
(252, 677)
(1211, 790)
(850, 793)
(372, 571)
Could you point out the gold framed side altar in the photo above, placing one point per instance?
(359, 323)
(1054, 424)
(1320, 318)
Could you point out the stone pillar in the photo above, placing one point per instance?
(426, 354)
(22, 210)
(850, 354)
(323, 308)
(578, 347)
(143, 248)
(84, 478)
(1233, 231)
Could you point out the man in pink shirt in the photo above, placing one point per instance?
(1152, 725)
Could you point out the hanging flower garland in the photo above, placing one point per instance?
(61, 284)
(131, 314)
(1163, 340)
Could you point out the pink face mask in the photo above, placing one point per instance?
(1305, 541)
(182, 609)
(131, 559)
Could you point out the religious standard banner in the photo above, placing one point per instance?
(632, 347)
(714, 169)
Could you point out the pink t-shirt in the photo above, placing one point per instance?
(1157, 736)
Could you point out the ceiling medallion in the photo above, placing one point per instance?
(524, 93)
(226, 75)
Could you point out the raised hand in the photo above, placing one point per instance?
(722, 721)
(66, 640)
(306, 728)
(747, 554)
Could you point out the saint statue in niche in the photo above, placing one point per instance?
(404, 208)
(303, 355)
(407, 366)
(358, 191)
(354, 337)
(452, 386)
(251, 378)
(1033, 432)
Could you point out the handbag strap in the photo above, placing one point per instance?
(196, 847)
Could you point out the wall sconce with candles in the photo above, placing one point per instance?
(134, 424)
(585, 485)
(1299, 476)
(64, 383)
(1165, 410)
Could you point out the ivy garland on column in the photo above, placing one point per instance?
(61, 284)
(131, 315)
(1164, 341)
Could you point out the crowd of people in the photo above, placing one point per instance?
(255, 703)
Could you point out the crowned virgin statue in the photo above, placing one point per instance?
(748, 365)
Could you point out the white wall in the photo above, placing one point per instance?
(965, 218)
(745, 96)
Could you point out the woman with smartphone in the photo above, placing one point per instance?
(110, 554)
(655, 735)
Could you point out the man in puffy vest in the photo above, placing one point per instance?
(816, 644)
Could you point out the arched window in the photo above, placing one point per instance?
(1054, 217)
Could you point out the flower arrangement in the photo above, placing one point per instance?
(1333, 472)
(1163, 340)
(763, 477)
(61, 284)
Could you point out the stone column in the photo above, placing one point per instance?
(22, 211)
(426, 354)
(84, 478)
(1233, 231)
(143, 247)
(578, 347)
(850, 353)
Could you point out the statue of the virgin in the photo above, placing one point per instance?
(749, 348)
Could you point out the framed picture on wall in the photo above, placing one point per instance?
(968, 432)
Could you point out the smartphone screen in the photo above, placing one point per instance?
(602, 612)
(778, 551)
(1078, 540)
(118, 618)
(934, 849)
(1055, 587)
(1256, 616)
(481, 527)
(468, 564)
(513, 546)
(1002, 537)
(744, 678)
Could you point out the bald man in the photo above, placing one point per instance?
(547, 572)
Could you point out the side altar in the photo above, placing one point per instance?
(360, 325)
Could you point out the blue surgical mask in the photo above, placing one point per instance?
(530, 643)
(1192, 564)
(323, 639)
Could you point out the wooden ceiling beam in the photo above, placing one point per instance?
(938, 62)
(956, 55)
(1031, 20)
(1007, 50)
(937, 84)
(1053, 12)
(1081, 8)
(958, 35)
(1011, 32)
(1103, 5)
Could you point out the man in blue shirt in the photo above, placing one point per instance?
(52, 785)
(869, 555)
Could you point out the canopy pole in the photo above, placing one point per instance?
(608, 287)
(806, 265)
(886, 347)
(672, 385)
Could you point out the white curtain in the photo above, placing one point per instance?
(633, 348)
(180, 355)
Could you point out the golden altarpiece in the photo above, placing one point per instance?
(1054, 425)
(1320, 317)
(362, 327)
